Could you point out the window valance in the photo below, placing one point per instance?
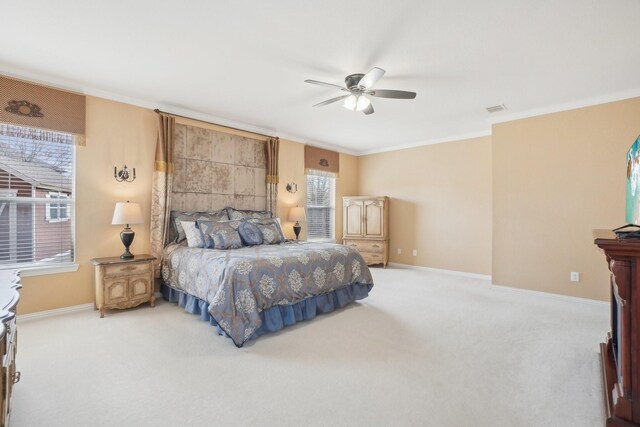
(47, 109)
(320, 159)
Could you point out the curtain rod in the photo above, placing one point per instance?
(212, 123)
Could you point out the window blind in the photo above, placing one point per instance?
(36, 197)
(320, 205)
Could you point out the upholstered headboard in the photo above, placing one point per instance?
(215, 169)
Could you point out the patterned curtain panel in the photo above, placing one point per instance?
(272, 146)
(162, 184)
(29, 110)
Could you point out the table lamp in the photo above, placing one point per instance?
(127, 213)
(296, 214)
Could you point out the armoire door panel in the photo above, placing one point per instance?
(373, 223)
(353, 219)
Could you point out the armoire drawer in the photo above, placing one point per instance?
(372, 258)
(364, 246)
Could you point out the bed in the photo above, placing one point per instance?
(243, 287)
(253, 290)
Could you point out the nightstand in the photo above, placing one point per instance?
(123, 283)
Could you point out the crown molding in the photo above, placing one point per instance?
(567, 106)
(152, 105)
(452, 138)
(91, 91)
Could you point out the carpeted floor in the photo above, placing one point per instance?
(425, 349)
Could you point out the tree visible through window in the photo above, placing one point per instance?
(320, 205)
(36, 196)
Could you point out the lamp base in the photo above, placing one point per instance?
(127, 236)
(296, 229)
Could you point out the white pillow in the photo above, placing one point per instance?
(194, 236)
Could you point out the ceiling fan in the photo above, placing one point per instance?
(359, 86)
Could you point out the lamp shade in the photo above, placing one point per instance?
(296, 214)
(127, 213)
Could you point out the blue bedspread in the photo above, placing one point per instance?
(240, 284)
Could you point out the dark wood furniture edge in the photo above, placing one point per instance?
(621, 397)
(608, 375)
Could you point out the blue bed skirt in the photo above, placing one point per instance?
(276, 317)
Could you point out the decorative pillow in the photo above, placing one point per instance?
(194, 236)
(250, 233)
(176, 233)
(221, 234)
(239, 214)
(271, 231)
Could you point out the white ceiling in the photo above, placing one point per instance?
(244, 63)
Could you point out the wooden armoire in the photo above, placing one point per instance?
(366, 227)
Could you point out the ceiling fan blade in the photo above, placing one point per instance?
(331, 101)
(368, 110)
(331, 85)
(397, 94)
(369, 79)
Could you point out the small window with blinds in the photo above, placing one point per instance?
(36, 197)
(321, 188)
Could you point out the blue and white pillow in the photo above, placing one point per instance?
(221, 234)
(176, 233)
(271, 231)
(193, 234)
(250, 233)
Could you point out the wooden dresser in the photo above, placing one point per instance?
(366, 227)
(123, 283)
(620, 354)
(9, 297)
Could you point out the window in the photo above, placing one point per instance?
(55, 212)
(321, 189)
(36, 197)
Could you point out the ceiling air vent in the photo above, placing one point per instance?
(496, 108)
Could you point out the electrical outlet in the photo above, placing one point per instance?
(575, 276)
(415, 252)
(399, 251)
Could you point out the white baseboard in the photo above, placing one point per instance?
(443, 271)
(503, 287)
(55, 312)
(551, 295)
(64, 310)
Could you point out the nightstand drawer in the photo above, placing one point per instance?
(362, 246)
(128, 269)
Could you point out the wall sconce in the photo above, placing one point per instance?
(123, 174)
(292, 187)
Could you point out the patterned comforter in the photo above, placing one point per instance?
(238, 284)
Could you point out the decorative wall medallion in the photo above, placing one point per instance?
(24, 108)
(292, 187)
(324, 162)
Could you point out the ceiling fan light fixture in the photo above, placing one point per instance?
(356, 102)
(363, 103)
(351, 102)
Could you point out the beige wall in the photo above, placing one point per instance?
(440, 203)
(116, 134)
(292, 170)
(555, 178)
(519, 205)
(346, 185)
